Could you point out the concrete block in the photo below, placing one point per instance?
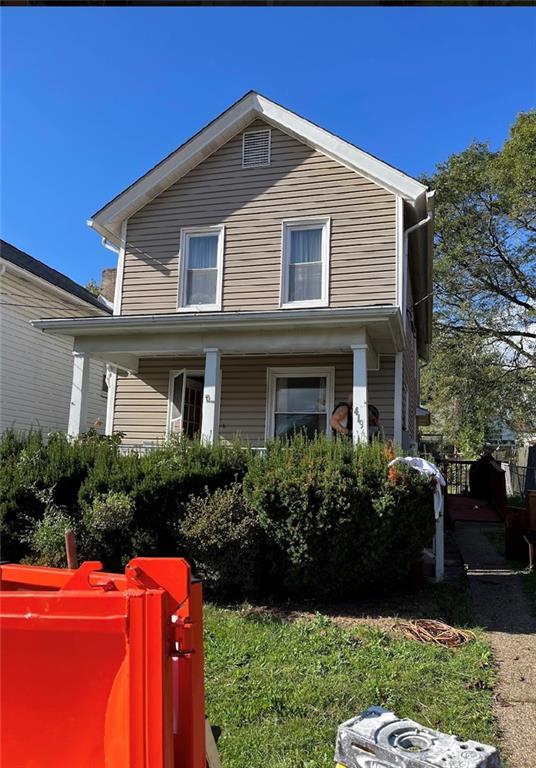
(378, 738)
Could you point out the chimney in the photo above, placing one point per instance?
(107, 287)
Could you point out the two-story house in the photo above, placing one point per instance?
(266, 269)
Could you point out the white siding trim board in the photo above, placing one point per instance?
(118, 293)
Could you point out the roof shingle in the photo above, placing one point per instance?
(39, 269)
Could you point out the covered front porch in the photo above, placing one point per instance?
(259, 396)
(249, 377)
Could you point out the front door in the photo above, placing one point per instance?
(186, 403)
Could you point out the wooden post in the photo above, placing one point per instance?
(70, 549)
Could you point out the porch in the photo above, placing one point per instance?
(258, 396)
(247, 375)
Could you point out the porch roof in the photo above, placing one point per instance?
(123, 339)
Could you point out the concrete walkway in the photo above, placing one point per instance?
(503, 610)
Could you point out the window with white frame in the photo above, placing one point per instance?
(305, 263)
(299, 400)
(201, 268)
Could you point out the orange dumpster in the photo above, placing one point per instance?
(101, 669)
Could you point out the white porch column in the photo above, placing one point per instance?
(360, 394)
(210, 419)
(399, 362)
(111, 381)
(79, 392)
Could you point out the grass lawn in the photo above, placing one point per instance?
(278, 689)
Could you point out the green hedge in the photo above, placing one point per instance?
(341, 525)
(89, 478)
(308, 518)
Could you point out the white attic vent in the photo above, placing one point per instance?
(256, 148)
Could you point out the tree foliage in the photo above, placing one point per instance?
(93, 287)
(485, 248)
(473, 393)
(482, 369)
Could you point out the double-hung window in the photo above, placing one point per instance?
(201, 268)
(305, 263)
(299, 400)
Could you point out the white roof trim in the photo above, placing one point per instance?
(108, 220)
(288, 318)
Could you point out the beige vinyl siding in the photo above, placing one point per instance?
(141, 400)
(299, 183)
(35, 368)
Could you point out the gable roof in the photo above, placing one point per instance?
(26, 262)
(108, 220)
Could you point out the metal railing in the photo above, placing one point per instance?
(456, 474)
(519, 480)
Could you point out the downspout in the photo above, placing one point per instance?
(110, 246)
(405, 255)
(407, 232)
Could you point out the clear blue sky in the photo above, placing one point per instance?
(93, 97)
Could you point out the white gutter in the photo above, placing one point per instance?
(199, 321)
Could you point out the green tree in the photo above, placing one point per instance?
(482, 370)
(472, 391)
(93, 287)
(485, 246)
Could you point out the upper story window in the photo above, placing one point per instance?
(201, 267)
(305, 263)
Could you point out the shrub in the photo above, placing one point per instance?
(46, 537)
(19, 502)
(339, 523)
(82, 474)
(109, 532)
(222, 535)
(311, 518)
(31, 467)
(111, 512)
(160, 485)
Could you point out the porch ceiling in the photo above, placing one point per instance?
(121, 340)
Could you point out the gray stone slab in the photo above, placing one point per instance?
(377, 738)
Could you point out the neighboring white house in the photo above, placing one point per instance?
(36, 370)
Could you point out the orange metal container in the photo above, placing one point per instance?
(101, 669)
